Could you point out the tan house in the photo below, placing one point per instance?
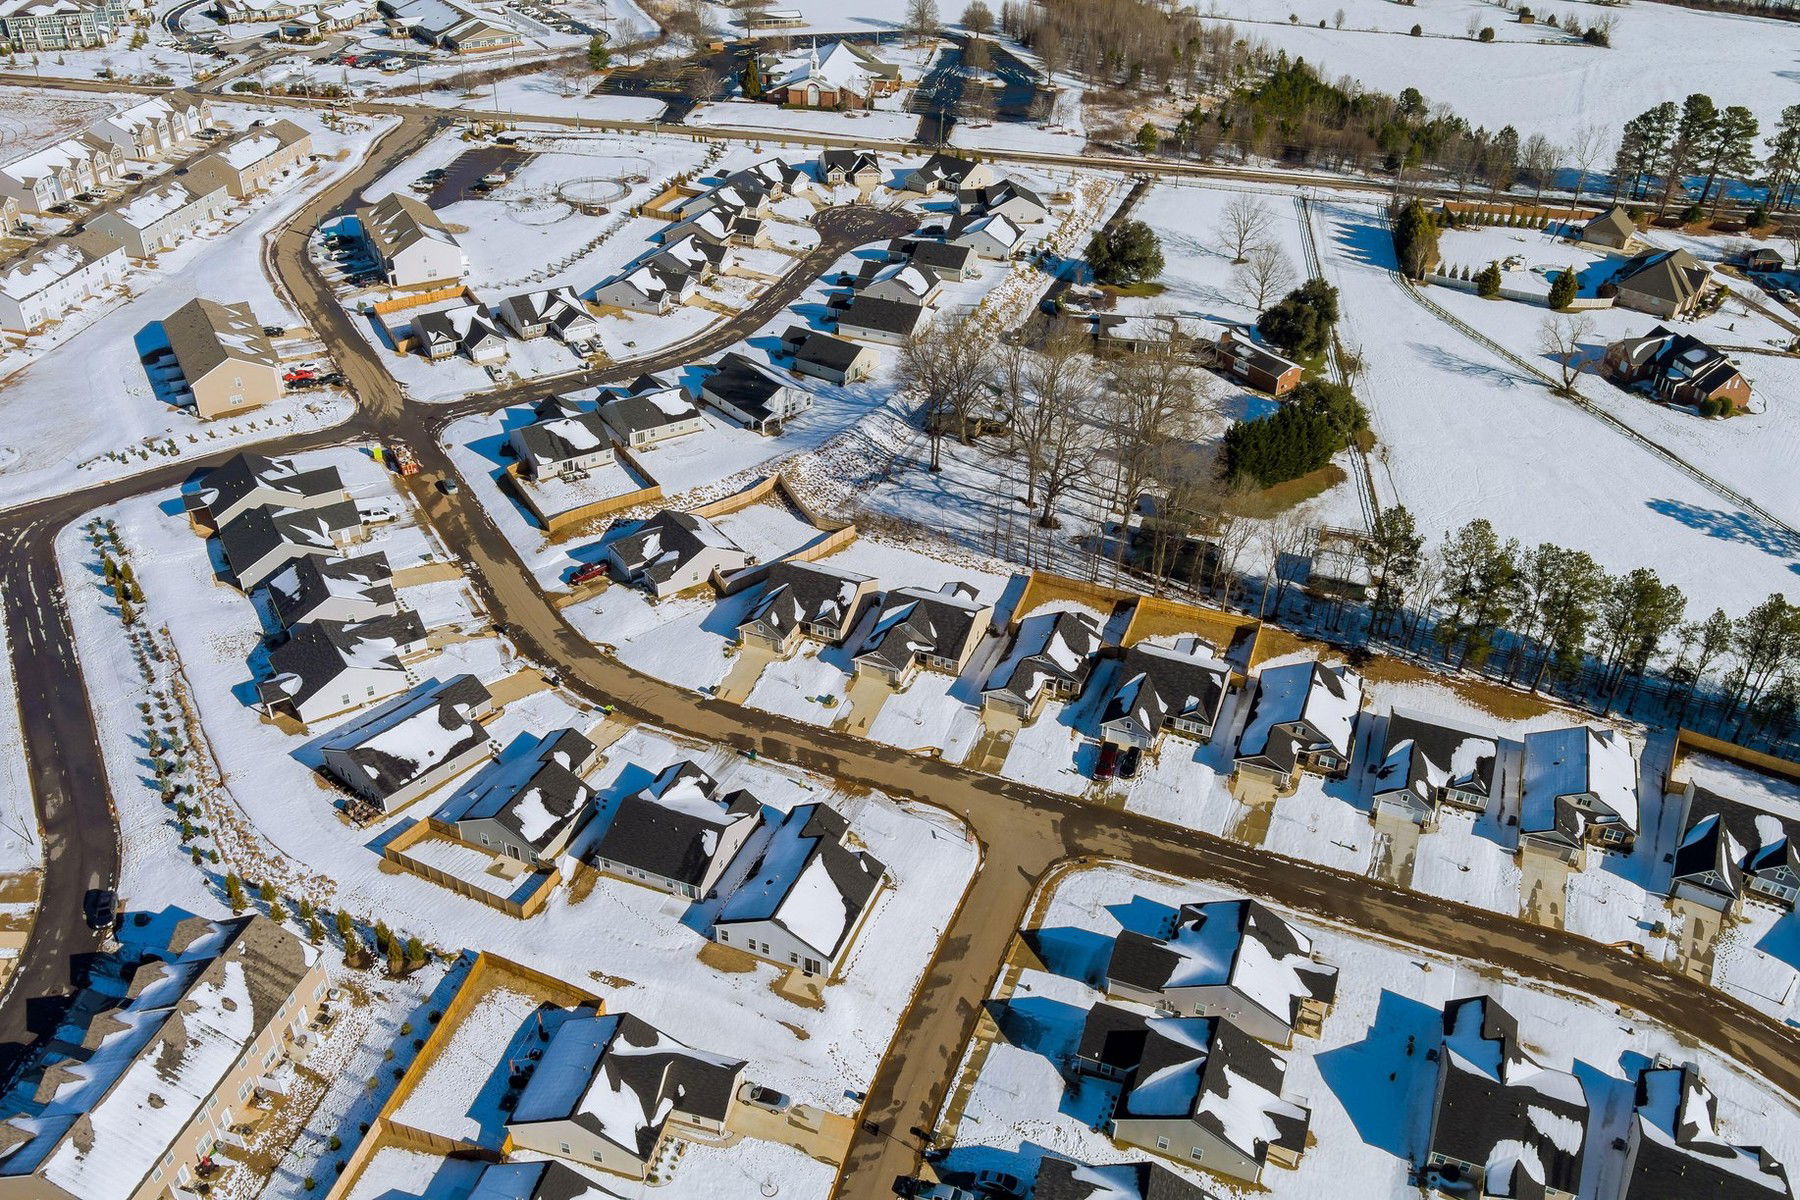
(919, 628)
(1663, 283)
(227, 364)
(253, 163)
(1613, 229)
(157, 1066)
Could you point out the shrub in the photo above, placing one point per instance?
(1487, 284)
(1418, 31)
(1487, 33)
(1692, 214)
(1126, 254)
(1301, 322)
(1563, 289)
(1318, 420)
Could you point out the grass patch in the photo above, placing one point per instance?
(1497, 700)
(1283, 496)
(728, 959)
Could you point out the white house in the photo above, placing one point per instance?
(161, 217)
(753, 394)
(56, 276)
(673, 551)
(413, 247)
(392, 756)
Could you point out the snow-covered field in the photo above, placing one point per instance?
(21, 848)
(1463, 434)
(1366, 1079)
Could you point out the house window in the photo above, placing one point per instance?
(565, 1147)
(1197, 1152)
(1162, 1143)
(724, 935)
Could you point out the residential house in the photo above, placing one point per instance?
(1663, 283)
(1428, 761)
(949, 263)
(1197, 1090)
(856, 167)
(562, 447)
(1257, 365)
(777, 178)
(49, 176)
(1303, 718)
(1165, 689)
(528, 803)
(1613, 230)
(1762, 259)
(989, 236)
(464, 329)
(652, 410)
(407, 747)
(329, 667)
(752, 394)
(835, 360)
(254, 162)
(951, 173)
(56, 276)
(318, 588)
(1063, 1179)
(691, 254)
(722, 226)
(611, 1089)
(802, 600)
(1502, 1123)
(227, 364)
(312, 24)
(1580, 789)
(889, 322)
(40, 26)
(673, 551)
(248, 480)
(1676, 368)
(806, 896)
(151, 128)
(1007, 198)
(899, 281)
(1674, 1148)
(648, 289)
(1234, 959)
(917, 627)
(1051, 656)
(161, 217)
(171, 1040)
(1733, 849)
(555, 311)
(411, 245)
(260, 541)
(679, 835)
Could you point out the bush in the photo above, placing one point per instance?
(1597, 35)
(1487, 33)
(1759, 216)
(1692, 214)
(1126, 254)
(1418, 31)
(1487, 284)
(1301, 322)
(1318, 420)
(1563, 289)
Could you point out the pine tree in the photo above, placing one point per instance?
(277, 913)
(1731, 153)
(384, 937)
(415, 950)
(1393, 556)
(266, 893)
(314, 930)
(753, 79)
(346, 926)
(1563, 289)
(1694, 132)
(234, 894)
(1783, 162)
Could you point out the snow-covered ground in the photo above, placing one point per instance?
(1463, 434)
(21, 847)
(1549, 88)
(874, 125)
(1366, 1079)
(48, 448)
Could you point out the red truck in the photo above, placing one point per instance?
(588, 573)
(404, 462)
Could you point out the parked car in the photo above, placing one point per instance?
(101, 908)
(1108, 761)
(588, 573)
(449, 486)
(766, 1098)
(1128, 762)
(998, 1185)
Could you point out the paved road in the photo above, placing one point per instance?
(1023, 831)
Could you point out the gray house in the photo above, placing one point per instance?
(922, 628)
(562, 447)
(400, 751)
(802, 599)
(836, 360)
(248, 480)
(1234, 959)
(889, 322)
(1501, 1120)
(609, 1090)
(753, 395)
(328, 667)
(1062, 1179)
(650, 411)
(679, 834)
(1302, 719)
(1051, 656)
(257, 542)
(1674, 1148)
(1195, 1089)
(673, 551)
(316, 588)
(1165, 690)
(528, 803)
(1734, 850)
(1580, 788)
(1429, 761)
(806, 896)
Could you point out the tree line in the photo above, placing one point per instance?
(1665, 147)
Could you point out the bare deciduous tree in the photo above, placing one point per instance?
(978, 19)
(1245, 222)
(1053, 390)
(1264, 273)
(1282, 536)
(922, 18)
(1156, 406)
(949, 366)
(1560, 339)
(1539, 158)
(1589, 146)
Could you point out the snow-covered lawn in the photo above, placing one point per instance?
(1366, 1079)
(872, 125)
(20, 846)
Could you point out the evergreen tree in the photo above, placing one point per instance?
(1563, 289)
(1394, 554)
(599, 57)
(1694, 132)
(1301, 322)
(1148, 139)
(753, 79)
(1416, 239)
(1731, 153)
(346, 926)
(234, 893)
(1487, 283)
(1783, 162)
(1478, 570)
(1125, 254)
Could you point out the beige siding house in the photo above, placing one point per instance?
(226, 362)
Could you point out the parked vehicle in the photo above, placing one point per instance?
(102, 908)
(404, 462)
(588, 573)
(1128, 762)
(1108, 761)
(449, 486)
(766, 1098)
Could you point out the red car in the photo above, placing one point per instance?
(588, 573)
(298, 374)
(1108, 761)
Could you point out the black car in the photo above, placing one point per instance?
(1128, 762)
(102, 907)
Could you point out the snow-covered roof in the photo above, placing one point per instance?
(1160, 683)
(1426, 753)
(411, 736)
(1680, 1151)
(157, 204)
(534, 790)
(915, 621)
(677, 826)
(43, 266)
(161, 1023)
(796, 594)
(1313, 704)
(1048, 646)
(1578, 775)
(808, 882)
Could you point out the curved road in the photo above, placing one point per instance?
(1023, 831)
